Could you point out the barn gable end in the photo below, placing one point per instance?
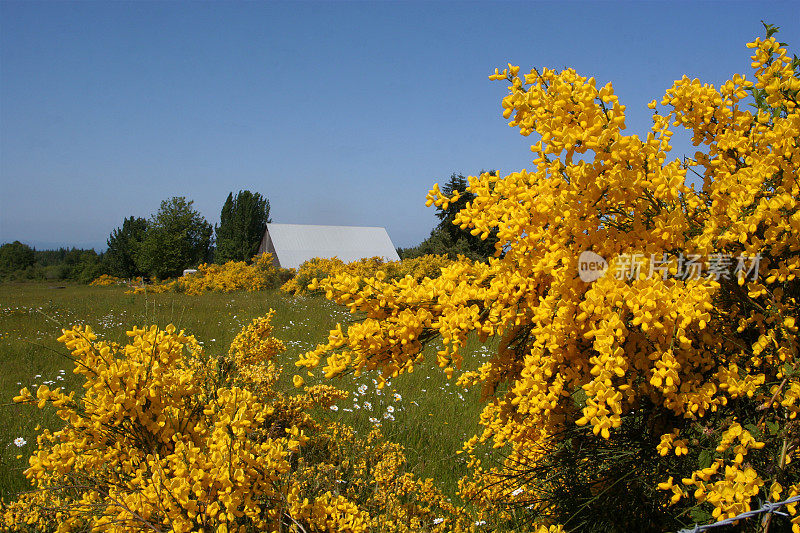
(292, 244)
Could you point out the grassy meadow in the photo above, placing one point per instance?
(423, 411)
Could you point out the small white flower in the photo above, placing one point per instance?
(438, 521)
(517, 491)
(480, 523)
(397, 397)
(388, 416)
(20, 442)
(356, 406)
(368, 406)
(334, 407)
(390, 409)
(362, 389)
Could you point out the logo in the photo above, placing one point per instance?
(591, 266)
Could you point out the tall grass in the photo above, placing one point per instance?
(431, 417)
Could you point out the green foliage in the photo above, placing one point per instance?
(243, 221)
(65, 264)
(440, 242)
(122, 245)
(15, 256)
(449, 239)
(177, 237)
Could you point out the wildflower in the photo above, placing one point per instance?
(397, 397)
(20, 442)
(362, 389)
(517, 491)
(334, 408)
(438, 521)
(390, 409)
(368, 406)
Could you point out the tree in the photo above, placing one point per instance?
(243, 220)
(662, 391)
(448, 238)
(177, 237)
(120, 258)
(15, 256)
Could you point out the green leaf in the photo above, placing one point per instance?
(773, 427)
(705, 459)
(700, 516)
(771, 29)
(754, 430)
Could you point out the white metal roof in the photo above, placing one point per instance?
(292, 244)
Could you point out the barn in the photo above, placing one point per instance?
(292, 244)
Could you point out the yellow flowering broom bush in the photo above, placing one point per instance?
(661, 393)
(107, 279)
(232, 276)
(168, 438)
(321, 268)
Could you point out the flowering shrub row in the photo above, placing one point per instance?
(318, 268)
(231, 276)
(107, 279)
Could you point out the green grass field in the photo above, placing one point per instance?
(423, 411)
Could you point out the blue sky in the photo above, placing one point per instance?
(339, 113)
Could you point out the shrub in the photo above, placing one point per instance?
(232, 276)
(320, 269)
(169, 438)
(662, 393)
(107, 279)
